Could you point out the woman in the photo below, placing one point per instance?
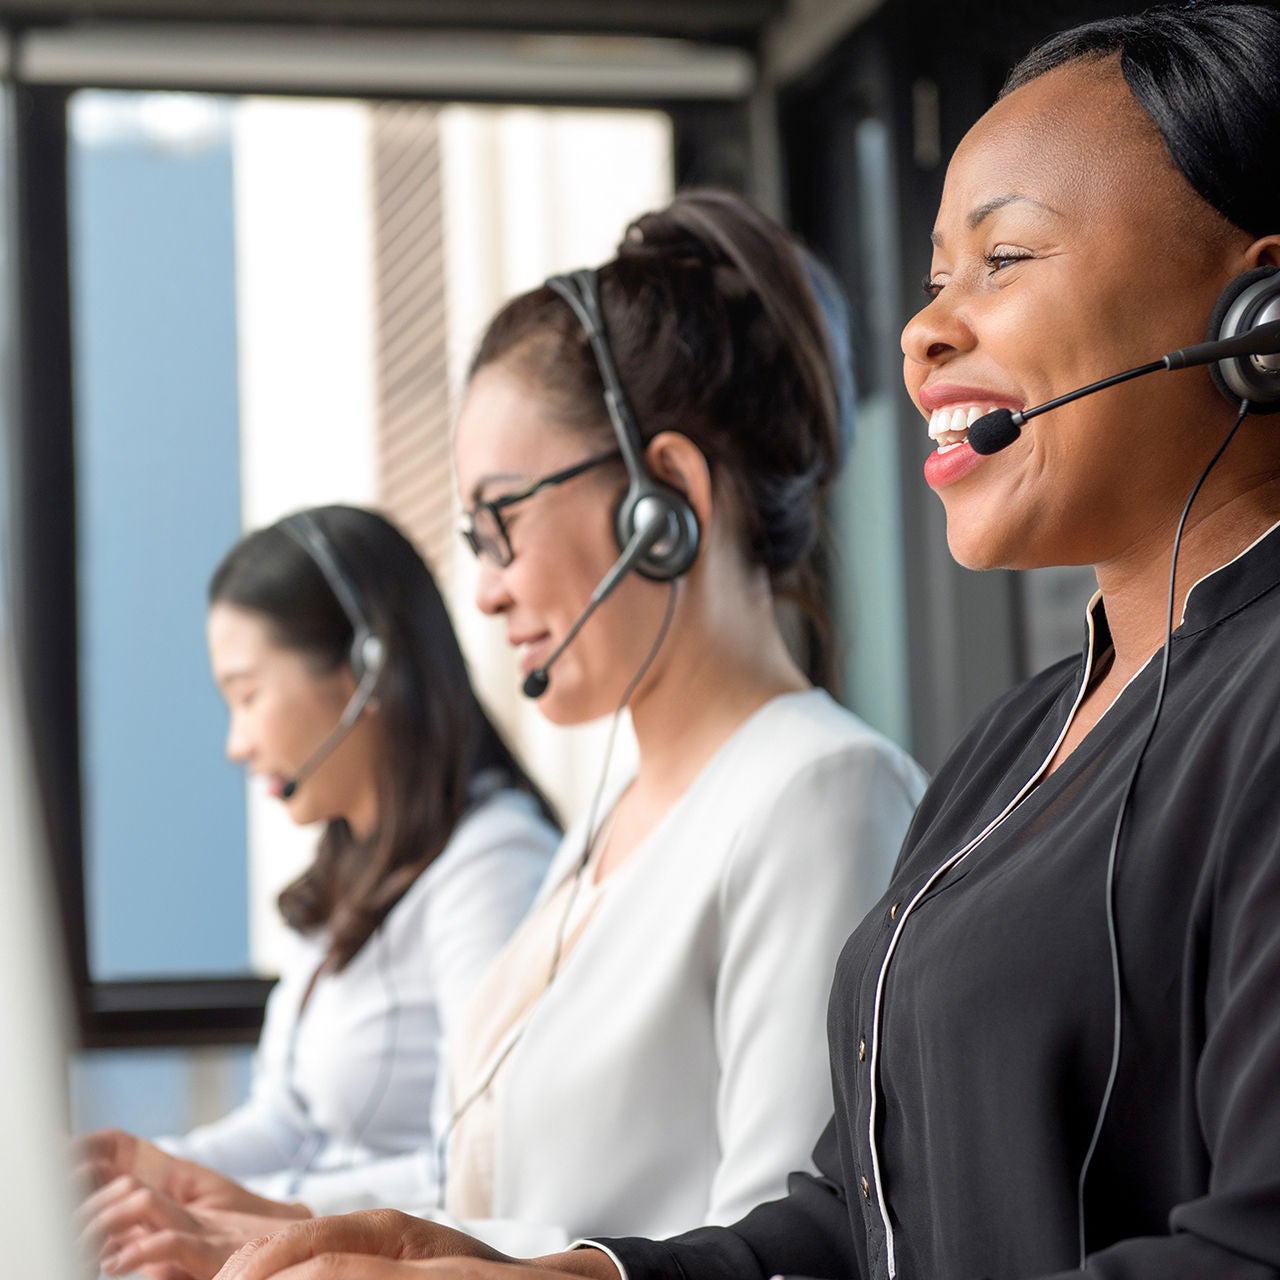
(714, 880)
(348, 695)
(1088, 223)
(647, 1052)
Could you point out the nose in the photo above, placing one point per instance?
(238, 748)
(938, 330)
(492, 596)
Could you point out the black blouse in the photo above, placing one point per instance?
(970, 1023)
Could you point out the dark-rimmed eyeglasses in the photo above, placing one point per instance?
(482, 527)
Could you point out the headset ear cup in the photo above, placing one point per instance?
(1249, 300)
(676, 549)
(367, 655)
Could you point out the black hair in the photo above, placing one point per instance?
(1208, 75)
(437, 738)
(717, 335)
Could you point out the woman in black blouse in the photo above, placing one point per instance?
(991, 1121)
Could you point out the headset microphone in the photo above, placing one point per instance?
(367, 654)
(346, 721)
(651, 524)
(998, 430)
(1243, 354)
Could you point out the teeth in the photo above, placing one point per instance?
(949, 426)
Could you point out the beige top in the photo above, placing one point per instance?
(675, 1071)
(500, 1011)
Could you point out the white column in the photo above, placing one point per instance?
(306, 330)
(528, 193)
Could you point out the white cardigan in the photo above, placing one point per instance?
(354, 1123)
(676, 1069)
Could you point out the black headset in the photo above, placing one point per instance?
(368, 653)
(646, 499)
(1250, 300)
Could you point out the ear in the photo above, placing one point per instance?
(1263, 253)
(676, 461)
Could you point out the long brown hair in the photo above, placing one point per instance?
(437, 738)
(717, 335)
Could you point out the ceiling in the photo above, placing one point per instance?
(737, 22)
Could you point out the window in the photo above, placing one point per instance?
(272, 303)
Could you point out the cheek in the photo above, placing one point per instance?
(568, 564)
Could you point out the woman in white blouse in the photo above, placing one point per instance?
(349, 697)
(647, 1053)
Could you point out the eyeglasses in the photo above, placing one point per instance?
(482, 527)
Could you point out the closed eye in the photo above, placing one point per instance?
(997, 261)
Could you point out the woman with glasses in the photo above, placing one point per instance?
(646, 1054)
(349, 701)
(653, 1064)
(641, 1051)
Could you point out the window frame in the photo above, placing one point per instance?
(710, 145)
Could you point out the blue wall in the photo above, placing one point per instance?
(153, 305)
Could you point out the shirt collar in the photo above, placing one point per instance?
(1233, 585)
(1217, 595)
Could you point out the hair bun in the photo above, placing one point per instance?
(662, 235)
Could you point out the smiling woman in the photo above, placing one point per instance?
(1055, 1041)
(1034, 294)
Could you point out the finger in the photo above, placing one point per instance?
(102, 1144)
(479, 1269)
(356, 1266)
(178, 1250)
(88, 1175)
(94, 1254)
(103, 1200)
(375, 1233)
(110, 1150)
(141, 1208)
(105, 1196)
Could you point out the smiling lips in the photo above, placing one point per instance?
(949, 425)
(528, 650)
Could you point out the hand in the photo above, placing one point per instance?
(109, 1154)
(378, 1233)
(133, 1227)
(101, 1157)
(359, 1266)
(385, 1245)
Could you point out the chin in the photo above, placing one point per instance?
(573, 698)
(568, 708)
(974, 552)
(979, 541)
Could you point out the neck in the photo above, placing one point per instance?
(721, 667)
(1226, 518)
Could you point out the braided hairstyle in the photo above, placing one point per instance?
(717, 335)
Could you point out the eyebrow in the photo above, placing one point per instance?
(982, 212)
(500, 477)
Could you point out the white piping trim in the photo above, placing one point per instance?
(939, 872)
(1260, 538)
